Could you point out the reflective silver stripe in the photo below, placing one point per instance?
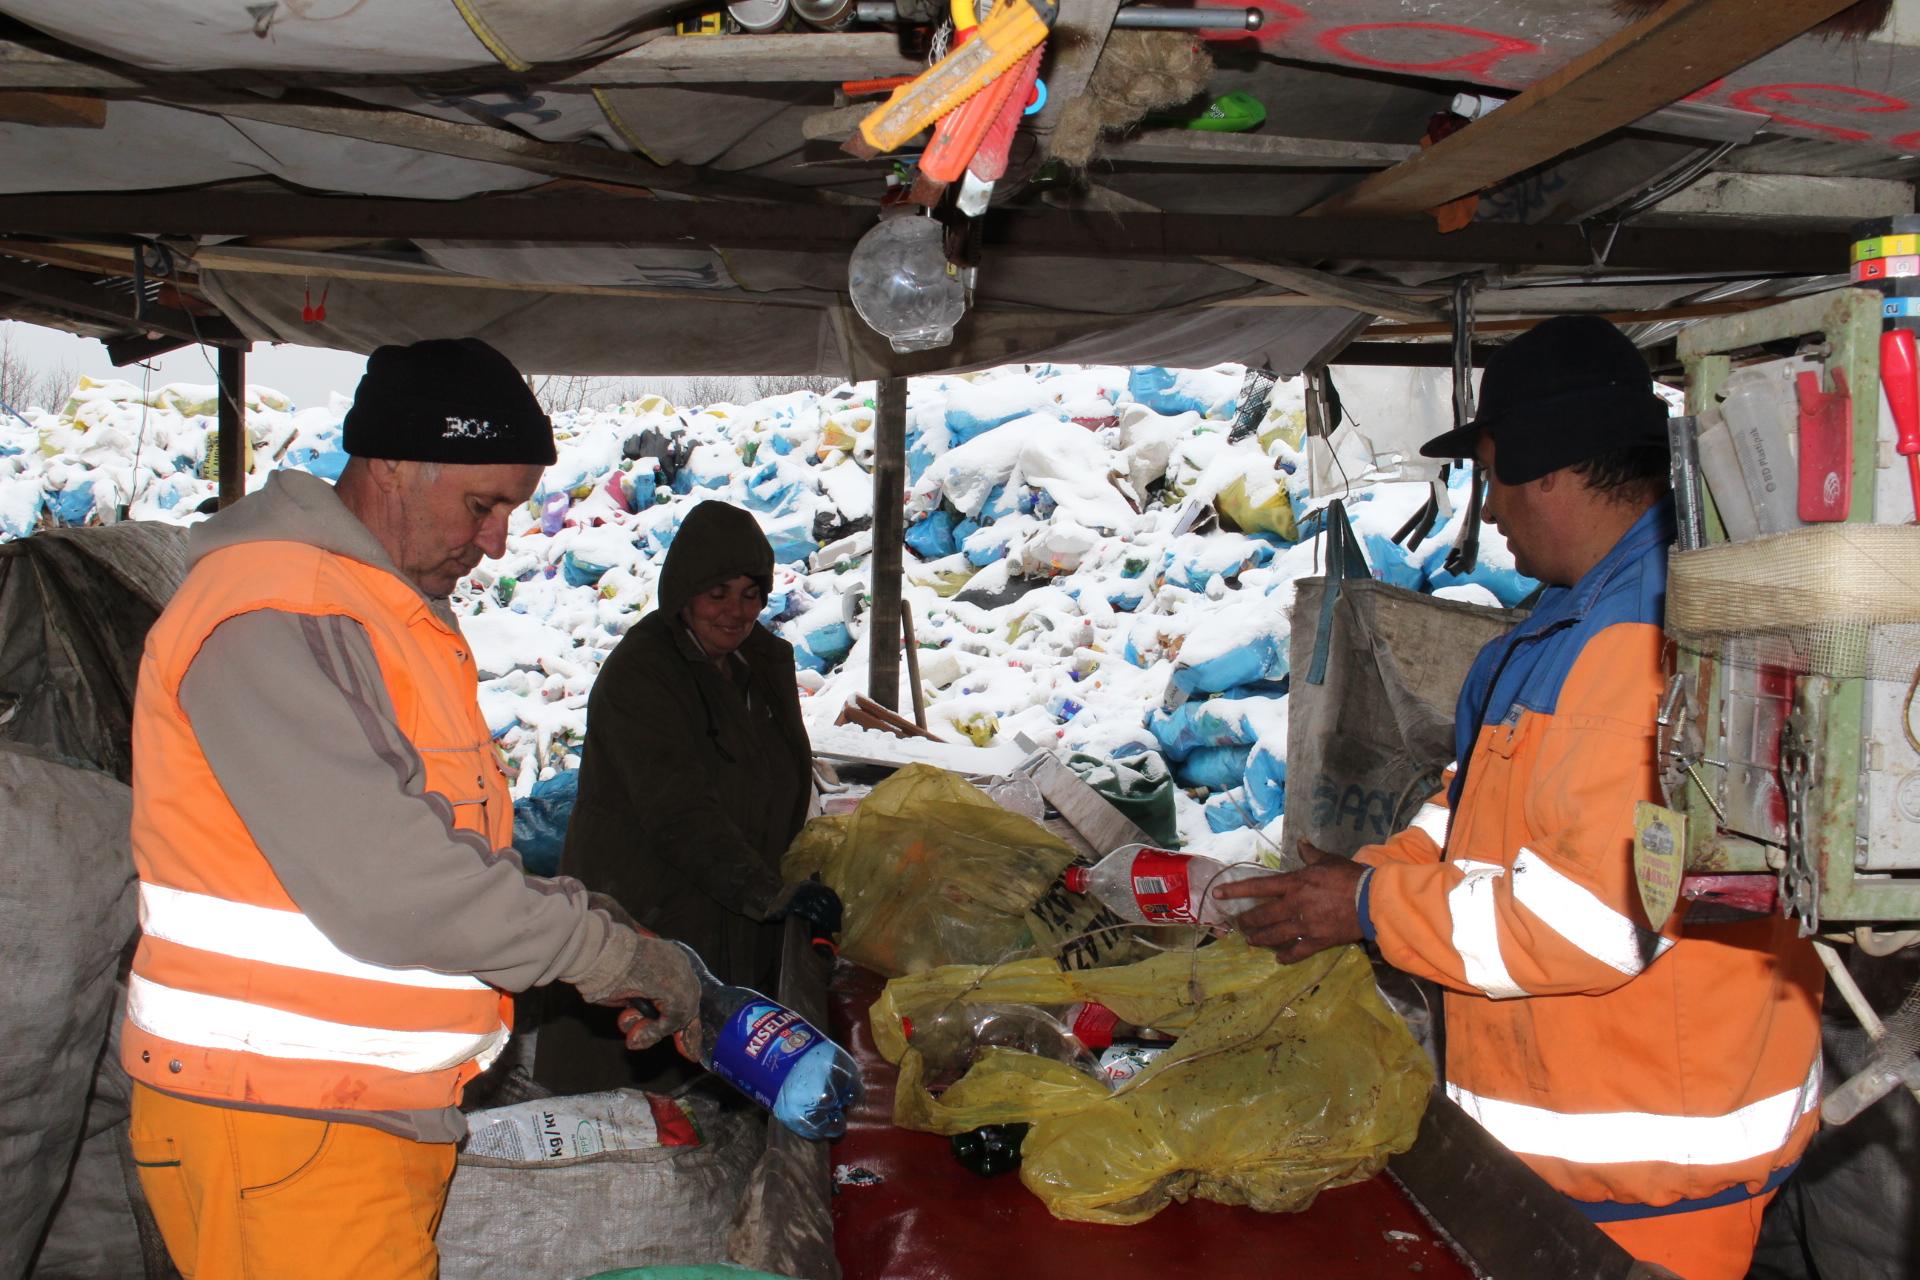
(1476, 930)
(214, 1022)
(1625, 1137)
(269, 936)
(1433, 819)
(1576, 914)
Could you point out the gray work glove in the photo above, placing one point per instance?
(636, 968)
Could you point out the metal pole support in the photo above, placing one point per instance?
(889, 534)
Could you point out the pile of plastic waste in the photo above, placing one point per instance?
(1093, 562)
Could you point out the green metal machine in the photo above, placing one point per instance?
(1787, 748)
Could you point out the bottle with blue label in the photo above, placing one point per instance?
(773, 1055)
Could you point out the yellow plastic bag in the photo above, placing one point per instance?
(1259, 505)
(1286, 1079)
(932, 872)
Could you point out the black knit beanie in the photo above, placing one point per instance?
(446, 400)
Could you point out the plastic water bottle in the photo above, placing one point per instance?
(1145, 885)
(1088, 1037)
(774, 1056)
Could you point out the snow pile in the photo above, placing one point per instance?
(1093, 564)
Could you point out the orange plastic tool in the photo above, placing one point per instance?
(1014, 28)
(990, 161)
(960, 131)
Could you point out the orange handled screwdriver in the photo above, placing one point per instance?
(1900, 375)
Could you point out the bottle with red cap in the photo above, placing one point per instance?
(1145, 885)
(1088, 1037)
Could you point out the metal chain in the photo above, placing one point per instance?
(1799, 887)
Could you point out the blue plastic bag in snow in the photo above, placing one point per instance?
(963, 426)
(72, 505)
(581, 573)
(1509, 586)
(823, 649)
(1215, 768)
(1262, 658)
(931, 536)
(1154, 388)
(767, 491)
(1126, 600)
(540, 822)
(1390, 563)
(1266, 785)
(1216, 722)
(1226, 812)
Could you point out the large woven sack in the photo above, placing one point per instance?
(564, 1219)
(1366, 746)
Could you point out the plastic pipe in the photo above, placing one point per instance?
(1166, 19)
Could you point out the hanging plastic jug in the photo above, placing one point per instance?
(1157, 886)
(904, 287)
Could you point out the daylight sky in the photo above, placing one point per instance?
(304, 374)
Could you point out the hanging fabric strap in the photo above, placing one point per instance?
(1345, 560)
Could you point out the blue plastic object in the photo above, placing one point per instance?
(1155, 388)
(1216, 722)
(581, 573)
(540, 822)
(825, 648)
(1215, 768)
(73, 504)
(1509, 586)
(1390, 564)
(1226, 812)
(1266, 785)
(1262, 658)
(931, 536)
(963, 426)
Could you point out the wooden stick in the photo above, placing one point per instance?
(913, 666)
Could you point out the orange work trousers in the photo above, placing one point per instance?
(247, 1195)
(1704, 1244)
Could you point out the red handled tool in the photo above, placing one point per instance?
(1900, 375)
(1826, 448)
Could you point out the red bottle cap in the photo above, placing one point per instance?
(1093, 1025)
(1078, 878)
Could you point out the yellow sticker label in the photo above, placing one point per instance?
(1659, 859)
(1885, 247)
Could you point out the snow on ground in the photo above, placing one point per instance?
(1070, 575)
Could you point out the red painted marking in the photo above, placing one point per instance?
(1906, 141)
(1759, 894)
(1857, 101)
(1490, 47)
(1706, 91)
(1279, 20)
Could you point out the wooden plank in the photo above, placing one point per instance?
(803, 58)
(1104, 827)
(1251, 150)
(1520, 324)
(1407, 355)
(889, 532)
(580, 219)
(81, 295)
(1652, 63)
(1338, 291)
(1073, 50)
(54, 110)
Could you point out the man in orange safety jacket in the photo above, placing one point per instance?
(331, 912)
(1665, 1080)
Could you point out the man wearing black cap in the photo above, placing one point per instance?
(1665, 1080)
(330, 908)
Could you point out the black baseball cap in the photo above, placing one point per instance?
(1567, 390)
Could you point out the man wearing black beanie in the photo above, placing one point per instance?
(331, 910)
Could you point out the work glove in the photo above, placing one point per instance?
(650, 980)
(815, 903)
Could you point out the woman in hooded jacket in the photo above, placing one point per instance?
(695, 777)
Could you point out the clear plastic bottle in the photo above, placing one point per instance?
(773, 1055)
(1088, 1037)
(1140, 883)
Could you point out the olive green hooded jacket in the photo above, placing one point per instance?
(693, 782)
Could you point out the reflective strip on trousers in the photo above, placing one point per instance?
(1576, 914)
(270, 936)
(214, 1022)
(1476, 929)
(1626, 1137)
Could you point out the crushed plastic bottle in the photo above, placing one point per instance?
(903, 286)
(1145, 885)
(774, 1056)
(1088, 1037)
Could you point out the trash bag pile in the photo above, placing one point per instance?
(1093, 562)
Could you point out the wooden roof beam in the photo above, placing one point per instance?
(81, 295)
(1657, 61)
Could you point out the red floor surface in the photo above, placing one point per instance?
(927, 1218)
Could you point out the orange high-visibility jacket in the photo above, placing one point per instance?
(1636, 1071)
(235, 995)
